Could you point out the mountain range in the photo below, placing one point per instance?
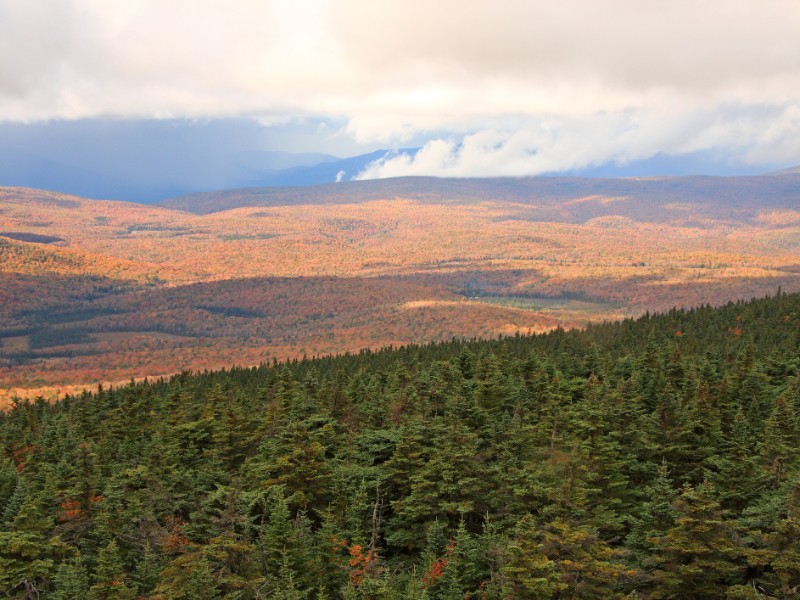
(155, 170)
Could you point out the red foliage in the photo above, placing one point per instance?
(72, 509)
(361, 563)
(436, 570)
(175, 541)
(21, 454)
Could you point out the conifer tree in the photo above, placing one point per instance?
(28, 550)
(71, 580)
(109, 577)
(561, 560)
(735, 472)
(187, 577)
(9, 481)
(285, 586)
(781, 445)
(785, 543)
(702, 554)
(656, 517)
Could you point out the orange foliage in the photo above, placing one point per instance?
(436, 569)
(174, 540)
(362, 563)
(155, 291)
(21, 454)
(73, 510)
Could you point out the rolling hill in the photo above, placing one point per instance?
(105, 290)
(560, 199)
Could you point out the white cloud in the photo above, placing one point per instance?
(533, 147)
(779, 141)
(519, 82)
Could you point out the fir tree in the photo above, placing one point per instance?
(109, 576)
(71, 580)
(702, 554)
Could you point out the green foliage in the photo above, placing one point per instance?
(702, 554)
(616, 461)
(71, 580)
(110, 576)
(656, 516)
(559, 559)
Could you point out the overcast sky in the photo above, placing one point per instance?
(498, 87)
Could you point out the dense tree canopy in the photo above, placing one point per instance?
(655, 458)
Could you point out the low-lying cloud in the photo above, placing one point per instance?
(765, 135)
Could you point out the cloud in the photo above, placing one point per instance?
(467, 75)
(556, 144)
(779, 141)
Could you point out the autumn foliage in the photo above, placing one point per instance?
(95, 291)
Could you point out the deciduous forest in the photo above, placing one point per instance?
(649, 458)
(101, 291)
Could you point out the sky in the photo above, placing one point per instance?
(484, 88)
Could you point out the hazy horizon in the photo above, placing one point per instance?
(151, 160)
(93, 90)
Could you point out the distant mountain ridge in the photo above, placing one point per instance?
(789, 171)
(152, 179)
(152, 161)
(565, 199)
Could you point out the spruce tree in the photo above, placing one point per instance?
(109, 576)
(702, 554)
(71, 580)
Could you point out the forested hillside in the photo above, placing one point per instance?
(655, 458)
(652, 199)
(99, 291)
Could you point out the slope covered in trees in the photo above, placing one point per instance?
(655, 458)
(650, 199)
(101, 291)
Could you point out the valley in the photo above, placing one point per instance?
(104, 291)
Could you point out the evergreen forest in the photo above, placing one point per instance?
(652, 458)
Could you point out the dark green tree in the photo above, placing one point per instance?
(703, 554)
(109, 577)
